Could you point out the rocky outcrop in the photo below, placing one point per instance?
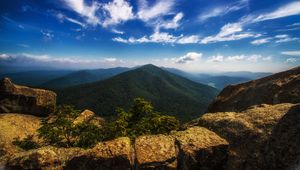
(21, 99)
(155, 152)
(200, 148)
(252, 131)
(88, 116)
(110, 155)
(283, 147)
(282, 87)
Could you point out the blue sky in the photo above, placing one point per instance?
(194, 35)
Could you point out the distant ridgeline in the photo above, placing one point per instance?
(169, 93)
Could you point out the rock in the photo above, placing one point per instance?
(44, 158)
(15, 126)
(248, 132)
(155, 152)
(110, 155)
(283, 147)
(278, 88)
(200, 148)
(85, 116)
(21, 99)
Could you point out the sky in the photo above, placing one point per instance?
(193, 35)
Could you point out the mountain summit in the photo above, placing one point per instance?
(169, 93)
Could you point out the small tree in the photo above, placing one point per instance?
(59, 129)
(140, 120)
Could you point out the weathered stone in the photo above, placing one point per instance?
(250, 130)
(155, 152)
(283, 87)
(200, 148)
(283, 147)
(84, 116)
(110, 155)
(25, 100)
(44, 158)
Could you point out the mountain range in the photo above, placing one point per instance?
(169, 93)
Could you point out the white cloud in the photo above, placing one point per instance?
(291, 53)
(117, 12)
(160, 37)
(261, 41)
(284, 11)
(229, 32)
(222, 10)
(285, 38)
(291, 60)
(61, 17)
(110, 59)
(84, 10)
(117, 31)
(236, 58)
(174, 23)
(188, 39)
(189, 57)
(23, 45)
(216, 59)
(160, 8)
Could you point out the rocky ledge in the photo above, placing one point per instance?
(25, 100)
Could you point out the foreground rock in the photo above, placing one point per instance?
(155, 152)
(200, 148)
(282, 87)
(21, 99)
(110, 155)
(250, 132)
(15, 126)
(88, 116)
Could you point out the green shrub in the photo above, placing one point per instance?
(140, 120)
(26, 143)
(59, 129)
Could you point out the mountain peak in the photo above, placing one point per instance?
(150, 66)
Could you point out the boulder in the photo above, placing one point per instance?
(283, 147)
(110, 155)
(44, 158)
(283, 87)
(249, 131)
(200, 148)
(155, 152)
(84, 116)
(21, 99)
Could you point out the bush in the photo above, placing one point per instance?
(59, 129)
(27, 143)
(140, 120)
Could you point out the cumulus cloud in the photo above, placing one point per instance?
(189, 39)
(291, 53)
(222, 10)
(236, 58)
(174, 23)
(254, 58)
(117, 11)
(189, 57)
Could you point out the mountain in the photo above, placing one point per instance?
(169, 93)
(35, 78)
(82, 77)
(283, 87)
(246, 74)
(217, 81)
